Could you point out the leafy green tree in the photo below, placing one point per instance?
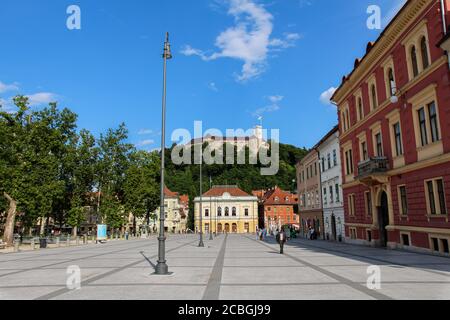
(141, 186)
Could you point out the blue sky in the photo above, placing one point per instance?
(234, 60)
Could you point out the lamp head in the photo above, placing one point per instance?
(394, 99)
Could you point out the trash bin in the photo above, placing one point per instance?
(42, 243)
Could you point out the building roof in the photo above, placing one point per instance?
(325, 138)
(170, 194)
(218, 191)
(370, 49)
(277, 196)
(184, 199)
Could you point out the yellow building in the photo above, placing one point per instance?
(227, 209)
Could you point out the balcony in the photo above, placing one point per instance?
(373, 171)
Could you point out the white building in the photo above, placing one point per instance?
(331, 185)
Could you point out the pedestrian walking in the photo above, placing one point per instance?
(281, 239)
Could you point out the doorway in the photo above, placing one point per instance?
(383, 218)
(333, 227)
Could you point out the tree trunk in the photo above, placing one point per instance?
(75, 231)
(8, 236)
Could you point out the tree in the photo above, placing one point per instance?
(141, 186)
(113, 162)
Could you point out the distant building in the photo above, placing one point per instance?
(255, 141)
(277, 208)
(310, 202)
(331, 185)
(175, 213)
(227, 209)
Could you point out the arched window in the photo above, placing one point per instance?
(374, 96)
(415, 67)
(227, 212)
(360, 109)
(206, 212)
(424, 51)
(234, 211)
(392, 86)
(219, 212)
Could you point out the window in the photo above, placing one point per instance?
(227, 212)
(364, 151)
(423, 126)
(206, 212)
(335, 163)
(351, 205)
(441, 195)
(246, 212)
(369, 235)
(379, 144)
(349, 161)
(317, 197)
(360, 109)
(353, 234)
(337, 193)
(315, 168)
(424, 52)
(398, 139)
(435, 242)
(415, 66)
(325, 201)
(233, 211)
(431, 200)
(323, 164)
(433, 122)
(368, 198)
(331, 195)
(219, 212)
(392, 86)
(373, 91)
(444, 244)
(403, 203)
(329, 161)
(405, 240)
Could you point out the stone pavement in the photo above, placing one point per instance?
(233, 267)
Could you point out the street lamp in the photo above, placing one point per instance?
(162, 268)
(201, 244)
(210, 211)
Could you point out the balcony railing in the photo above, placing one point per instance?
(372, 166)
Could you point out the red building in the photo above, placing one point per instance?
(394, 116)
(277, 208)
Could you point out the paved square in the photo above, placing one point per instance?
(233, 267)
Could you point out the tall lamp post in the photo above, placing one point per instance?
(162, 268)
(201, 244)
(210, 211)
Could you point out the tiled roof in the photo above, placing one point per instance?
(169, 193)
(218, 191)
(277, 193)
(184, 199)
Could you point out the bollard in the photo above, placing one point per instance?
(68, 242)
(85, 239)
(57, 242)
(77, 241)
(16, 246)
(32, 244)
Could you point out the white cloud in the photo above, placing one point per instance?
(145, 132)
(249, 40)
(212, 86)
(326, 96)
(272, 107)
(144, 143)
(7, 106)
(8, 87)
(41, 98)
